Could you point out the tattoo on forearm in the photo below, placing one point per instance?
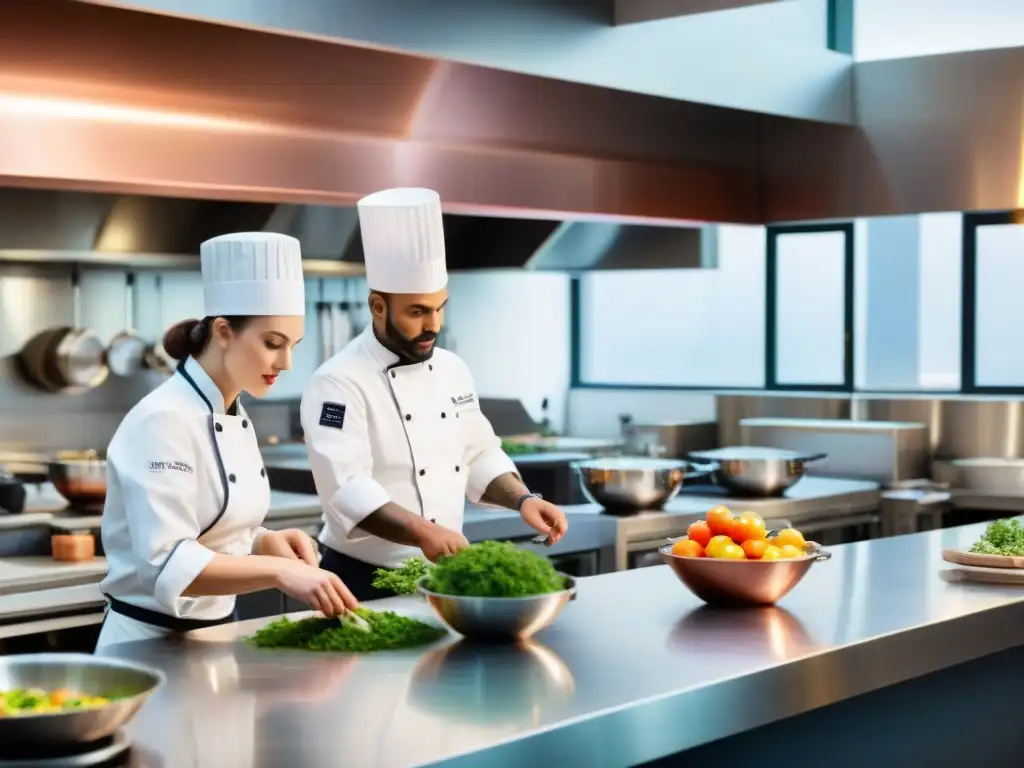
(505, 491)
(392, 523)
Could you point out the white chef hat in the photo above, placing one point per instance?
(253, 273)
(403, 241)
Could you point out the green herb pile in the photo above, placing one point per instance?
(510, 448)
(402, 580)
(494, 569)
(390, 631)
(1002, 537)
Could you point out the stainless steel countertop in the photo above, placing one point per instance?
(634, 670)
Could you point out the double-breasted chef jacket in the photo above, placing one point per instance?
(379, 430)
(185, 481)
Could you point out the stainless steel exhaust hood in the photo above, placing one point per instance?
(158, 131)
(62, 221)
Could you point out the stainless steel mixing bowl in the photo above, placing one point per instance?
(127, 684)
(632, 483)
(499, 619)
(734, 583)
(753, 471)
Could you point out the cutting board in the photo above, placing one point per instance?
(963, 557)
(1004, 576)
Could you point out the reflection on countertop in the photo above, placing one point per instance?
(615, 682)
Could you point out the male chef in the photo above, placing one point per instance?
(392, 424)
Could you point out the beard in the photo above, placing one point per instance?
(405, 347)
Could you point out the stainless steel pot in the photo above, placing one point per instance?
(80, 477)
(753, 471)
(633, 483)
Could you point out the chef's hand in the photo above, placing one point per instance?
(317, 588)
(292, 544)
(436, 541)
(544, 517)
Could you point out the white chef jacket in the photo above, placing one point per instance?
(378, 430)
(184, 481)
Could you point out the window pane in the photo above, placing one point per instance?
(810, 308)
(894, 29)
(999, 333)
(679, 327)
(939, 311)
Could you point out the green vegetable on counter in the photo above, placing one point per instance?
(1001, 537)
(510, 448)
(494, 569)
(389, 631)
(402, 580)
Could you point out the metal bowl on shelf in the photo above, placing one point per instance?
(632, 483)
(753, 471)
(499, 619)
(128, 685)
(737, 583)
(80, 477)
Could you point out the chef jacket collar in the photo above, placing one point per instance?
(382, 354)
(205, 387)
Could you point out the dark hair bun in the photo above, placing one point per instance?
(185, 338)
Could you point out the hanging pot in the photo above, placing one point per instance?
(127, 350)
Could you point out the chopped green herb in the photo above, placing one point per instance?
(1001, 537)
(402, 580)
(494, 569)
(389, 631)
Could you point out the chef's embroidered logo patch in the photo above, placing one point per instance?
(332, 415)
(175, 466)
(464, 400)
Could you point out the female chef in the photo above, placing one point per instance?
(187, 492)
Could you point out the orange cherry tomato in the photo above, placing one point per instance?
(731, 551)
(720, 521)
(788, 551)
(754, 548)
(771, 553)
(790, 536)
(745, 528)
(687, 548)
(716, 543)
(700, 532)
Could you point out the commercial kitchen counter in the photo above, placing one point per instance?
(635, 670)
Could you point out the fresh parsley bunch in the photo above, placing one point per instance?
(494, 569)
(1002, 537)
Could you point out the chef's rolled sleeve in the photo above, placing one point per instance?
(339, 450)
(156, 475)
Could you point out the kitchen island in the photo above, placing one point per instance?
(635, 670)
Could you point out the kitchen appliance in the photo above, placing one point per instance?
(12, 494)
(886, 452)
(992, 475)
(755, 471)
(633, 483)
(108, 752)
(503, 619)
(127, 684)
(737, 583)
(670, 440)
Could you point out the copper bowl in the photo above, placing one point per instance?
(737, 583)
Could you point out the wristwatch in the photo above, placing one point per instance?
(524, 497)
